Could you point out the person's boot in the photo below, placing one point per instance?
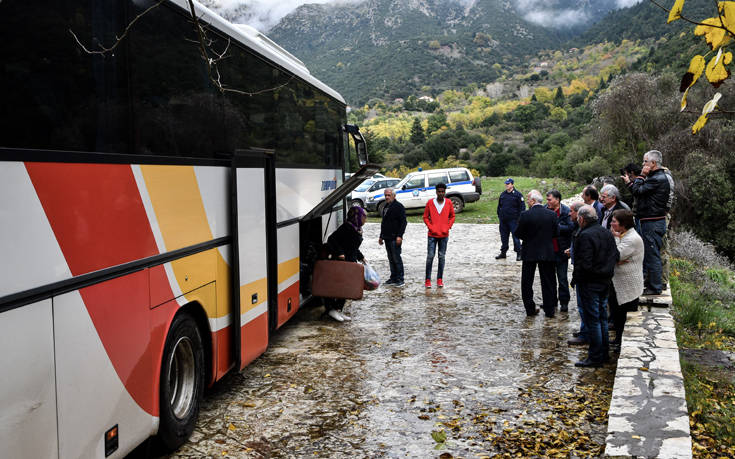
(500, 255)
(518, 256)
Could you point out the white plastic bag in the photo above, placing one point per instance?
(372, 279)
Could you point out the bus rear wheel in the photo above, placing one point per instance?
(182, 381)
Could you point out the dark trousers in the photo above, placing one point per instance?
(652, 232)
(619, 313)
(562, 270)
(394, 260)
(506, 228)
(548, 285)
(594, 308)
(430, 250)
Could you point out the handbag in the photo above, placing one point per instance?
(338, 279)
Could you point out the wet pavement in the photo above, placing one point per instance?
(453, 372)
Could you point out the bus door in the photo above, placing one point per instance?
(254, 252)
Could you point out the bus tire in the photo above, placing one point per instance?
(182, 382)
(356, 203)
(458, 204)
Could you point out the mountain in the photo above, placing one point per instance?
(393, 48)
(643, 21)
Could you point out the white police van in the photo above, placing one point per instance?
(417, 188)
(369, 188)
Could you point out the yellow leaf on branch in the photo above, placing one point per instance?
(696, 67)
(716, 71)
(701, 121)
(714, 33)
(675, 12)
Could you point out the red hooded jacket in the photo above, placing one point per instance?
(439, 224)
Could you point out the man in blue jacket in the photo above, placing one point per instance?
(510, 206)
(561, 244)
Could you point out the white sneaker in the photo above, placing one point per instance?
(345, 316)
(336, 315)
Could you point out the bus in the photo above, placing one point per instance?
(155, 231)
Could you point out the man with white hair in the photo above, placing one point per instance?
(536, 228)
(654, 194)
(610, 199)
(595, 255)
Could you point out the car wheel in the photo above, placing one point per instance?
(182, 382)
(356, 203)
(458, 204)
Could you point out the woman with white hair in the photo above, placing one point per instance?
(628, 277)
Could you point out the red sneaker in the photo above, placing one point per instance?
(428, 283)
(439, 283)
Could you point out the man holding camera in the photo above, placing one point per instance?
(653, 191)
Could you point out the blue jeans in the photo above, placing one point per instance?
(582, 326)
(430, 250)
(394, 260)
(594, 308)
(652, 232)
(562, 268)
(507, 227)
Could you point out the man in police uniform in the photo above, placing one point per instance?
(510, 206)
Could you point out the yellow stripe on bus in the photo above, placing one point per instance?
(182, 219)
(247, 292)
(288, 269)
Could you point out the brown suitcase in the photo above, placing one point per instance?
(338, 279)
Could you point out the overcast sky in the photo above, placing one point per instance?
(264, 14)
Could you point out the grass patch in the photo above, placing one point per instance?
(485, 210)
(710, 395)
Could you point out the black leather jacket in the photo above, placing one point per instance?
(654, 195)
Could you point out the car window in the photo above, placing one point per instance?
(393, 182)
(459, 176)
(379, 185)
(435, 179)
(365, 185)
(415, 182)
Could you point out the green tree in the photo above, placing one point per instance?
(417, 133)
(559, 97)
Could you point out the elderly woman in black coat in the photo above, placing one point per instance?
(344, 244)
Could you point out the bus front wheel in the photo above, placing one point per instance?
(182, 381)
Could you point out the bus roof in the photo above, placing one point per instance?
(258, 42)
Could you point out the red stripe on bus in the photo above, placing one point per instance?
(99, 220)
(284, 314)
(254, 339)
(96, 213)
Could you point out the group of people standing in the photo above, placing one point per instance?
(615, 253)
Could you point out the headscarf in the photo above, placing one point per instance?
(355, 218)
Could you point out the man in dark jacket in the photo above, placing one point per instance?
(654, 194)
(510, 206)
(536, 227)
(561, 244)
(610, 199)
(595, 256)
(392, 227)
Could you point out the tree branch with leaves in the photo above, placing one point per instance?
(719, 33)
(209, 55)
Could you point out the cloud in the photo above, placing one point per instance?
(557, 18)
(626, 3)
(261, 14)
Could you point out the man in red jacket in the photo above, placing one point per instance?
(439, 218)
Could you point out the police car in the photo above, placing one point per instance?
(417, 188)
